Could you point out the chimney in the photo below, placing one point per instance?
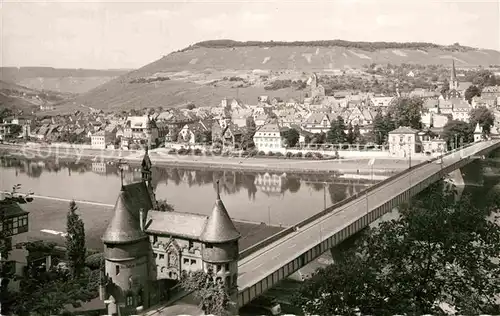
(141, 218)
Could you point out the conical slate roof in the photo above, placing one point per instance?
(478, 129)
(219, 227)
(125, 226)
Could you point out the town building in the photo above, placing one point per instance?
(478, 133)
(406, 141)
(102, 139)
(141, 130)
(268, 138)
(147, 251)
(317, 123)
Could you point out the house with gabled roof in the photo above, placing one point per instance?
(317, 123)
(269, 138)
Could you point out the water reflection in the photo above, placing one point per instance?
(246, 194)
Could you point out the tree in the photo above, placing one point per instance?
(407, 112)
(190, 106)
(292, 137)
(210, 290)
(382, 125)
(471, 92)
(457, 133)
(336, 134)
(350, 134)
(357, 134)
(163, 206)
(483, 116)
(445, 88)
(251, 128)
(75, 241)
(412, 264)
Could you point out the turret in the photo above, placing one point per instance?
(220, 249)
(147, 176)
(126, 249)
(478, 133)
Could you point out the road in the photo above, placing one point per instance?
(258, 265)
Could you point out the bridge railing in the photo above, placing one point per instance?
(289, 230)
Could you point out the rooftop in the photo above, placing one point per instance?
(404, 130)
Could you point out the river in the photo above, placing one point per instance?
(275, 199)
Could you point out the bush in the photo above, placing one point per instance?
(261, 153)
(189, 151)
(225, 154)
(253, 153)
(318, 156)
(94, 261)
(172, 151)
(270, 154)
(197, 152)
(208, 153)
(182, 151)
(289, 154)
(279, 154)
(308, 155)
(298, 155)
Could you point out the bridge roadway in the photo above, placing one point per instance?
(267, 266)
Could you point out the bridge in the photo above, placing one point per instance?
(268, 263)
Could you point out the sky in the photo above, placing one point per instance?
(129, 34)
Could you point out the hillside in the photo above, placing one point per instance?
(13, 96)
(60, 80)
(203, 73)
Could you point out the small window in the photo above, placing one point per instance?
(209, 246)
(162, 257)
(219, 267)
(156, 255)
(155, 239)
(193, 261)
(226, 267)
(186, 261)
(117, 269)
(191, 244)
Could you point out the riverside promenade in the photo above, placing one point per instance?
(160, 157)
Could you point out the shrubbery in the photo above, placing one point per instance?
(308, 155)
(289, 154)
(172, 151)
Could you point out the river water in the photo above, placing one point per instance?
(258, 197)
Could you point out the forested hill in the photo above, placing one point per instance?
(367, 46)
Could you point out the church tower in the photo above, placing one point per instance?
(478, 133)
(146, 176)
(220, 247)
(453, 77)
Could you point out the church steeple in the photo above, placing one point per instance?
(146, 171)
(453, 77)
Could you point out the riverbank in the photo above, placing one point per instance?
(159, 157)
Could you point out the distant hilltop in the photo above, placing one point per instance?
(367, 46)
(206, 72)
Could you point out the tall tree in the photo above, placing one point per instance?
(483, 116)
(471, 92)
(336, 133)
(251, 128)
(75, 241)
(406, 111)
(357, 134)
(457, 133)
(412, 264)
(350, 134)
(292, 137)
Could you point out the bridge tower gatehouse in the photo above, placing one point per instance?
(220, 248)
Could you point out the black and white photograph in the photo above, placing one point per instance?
(238, 157)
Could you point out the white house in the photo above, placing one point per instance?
(403, 141)
(268, 138)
